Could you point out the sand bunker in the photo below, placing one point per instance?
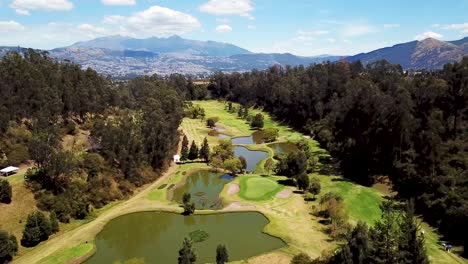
(238, 206)
(284, 193)
(233, 188)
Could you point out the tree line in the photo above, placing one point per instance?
(376, 120)
(131, 132)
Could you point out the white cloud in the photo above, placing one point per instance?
(391, 25)
(22, 12)
(23, 7)
(312, 33)
(223, 28)
(428, 34)
(118, 2)
(251, 27)
(154, 21)
(462, 27)
(331, 40)
(10, 26)
(90, 30)
(354, 30)
(228, 7)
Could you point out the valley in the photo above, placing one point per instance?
(290, 216)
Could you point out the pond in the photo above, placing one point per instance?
(253, 157)
(284, 147)
(255, 138)
(156, 237)
(205, 187)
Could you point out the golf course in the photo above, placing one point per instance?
(258, 215)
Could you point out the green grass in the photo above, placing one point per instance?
(254, 188)
(68, 255)
(362, 203)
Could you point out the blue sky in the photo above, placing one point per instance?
(302, 27)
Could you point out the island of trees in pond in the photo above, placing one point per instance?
(375, 120)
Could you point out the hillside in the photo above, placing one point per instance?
(426, 54)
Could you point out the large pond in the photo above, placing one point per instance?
(204, 187)
(253, 157)
(283, 147)
(255, 138)
(156, 237)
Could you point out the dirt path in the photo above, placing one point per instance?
(88, 231)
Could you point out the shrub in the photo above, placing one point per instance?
(8, 247)
(270, 134)
(5, 192)
(257, 121)
(36, 230)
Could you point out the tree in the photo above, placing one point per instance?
(303, 181)
(359, 244)
(301, 258)
(295, 164)
(412, 248)
(224, 150)
(5, 192)
(386, 236)
(185, 150)
(37, 229)
(243, 162)
(257, 121)
(269, 165)
(186, 253)
(205, 151)
(8, 247)
(315, 187)
(221, 254)
(270, 134)
(211, 122)
(193, 153)
(54, 223)
(233, 165)
(189, 207)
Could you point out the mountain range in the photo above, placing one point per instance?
(124, 56)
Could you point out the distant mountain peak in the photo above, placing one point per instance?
(171, 44)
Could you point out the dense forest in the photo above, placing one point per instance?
(377, 121)
(130, 131)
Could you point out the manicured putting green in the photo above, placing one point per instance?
(258, 188)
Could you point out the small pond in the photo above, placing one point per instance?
(284, 147)
(205, 187)
(253, 157)
(255, 138)
(156, 237)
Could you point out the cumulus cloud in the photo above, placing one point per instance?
(23, 7)
(428, 34)
(391, 25)
(154, 21)
(230, 7)
(10, 26)
(223, 28)
(118, 2)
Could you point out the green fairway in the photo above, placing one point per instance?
(362, 203)
(258, 188)
(68, 255)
